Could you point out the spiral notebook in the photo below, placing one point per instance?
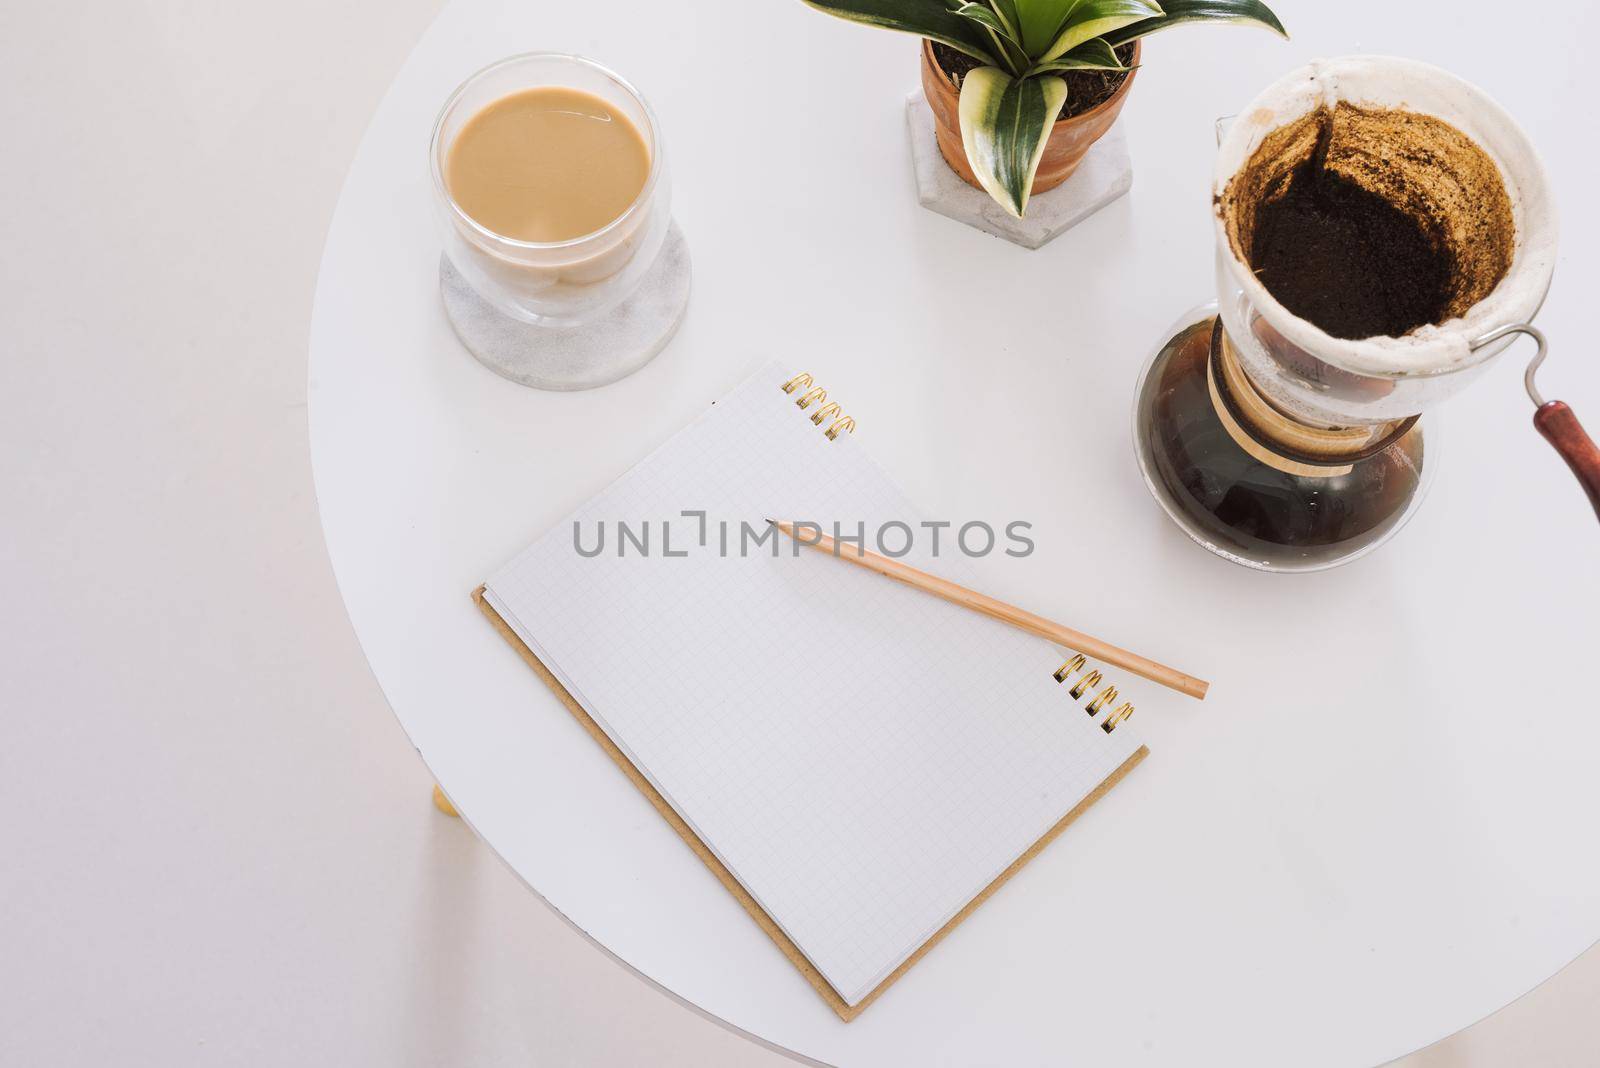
(860, 763)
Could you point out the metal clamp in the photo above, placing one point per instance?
(1538, 357)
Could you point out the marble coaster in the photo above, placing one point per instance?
(1105, 174)
(596, 353)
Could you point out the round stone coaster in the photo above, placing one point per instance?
(595, 353)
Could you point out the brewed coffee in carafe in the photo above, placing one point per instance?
(1378, 221)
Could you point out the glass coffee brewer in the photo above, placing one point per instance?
(1384, 230)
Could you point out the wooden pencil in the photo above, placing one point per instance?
(1065, 636)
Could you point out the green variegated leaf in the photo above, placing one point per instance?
(1005, 46)
(1007, 10)
(1094, 18)
(1178, 12)
(925, 18)
(1005, 122)
(1091, 55)
(1040, 22)
(984, 16)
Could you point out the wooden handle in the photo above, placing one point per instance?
(1561, 428)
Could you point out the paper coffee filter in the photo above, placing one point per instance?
(1387, 82)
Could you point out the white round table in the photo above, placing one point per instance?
(1378, 829)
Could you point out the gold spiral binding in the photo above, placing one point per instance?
(1117, 717)
(1077, 663)
(815, 393)
(810, 394)
(1091, 679)
(831, 408)
(1087, 681)
(1101, 699)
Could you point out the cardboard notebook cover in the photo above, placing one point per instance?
(845, 1011)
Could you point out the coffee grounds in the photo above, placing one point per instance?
(1086, 89)
(1370, 221)
(1348, 260)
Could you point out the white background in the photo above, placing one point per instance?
(218, 846)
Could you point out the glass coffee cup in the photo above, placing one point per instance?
(557, 283)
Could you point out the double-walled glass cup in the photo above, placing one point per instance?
(553, 283)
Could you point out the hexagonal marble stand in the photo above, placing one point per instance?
(1105, 174)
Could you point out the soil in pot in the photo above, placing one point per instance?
(1086, 89)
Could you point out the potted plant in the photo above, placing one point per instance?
(1020, 89)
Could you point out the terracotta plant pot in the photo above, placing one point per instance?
(1070, 139)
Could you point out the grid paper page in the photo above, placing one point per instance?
(863, 757)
